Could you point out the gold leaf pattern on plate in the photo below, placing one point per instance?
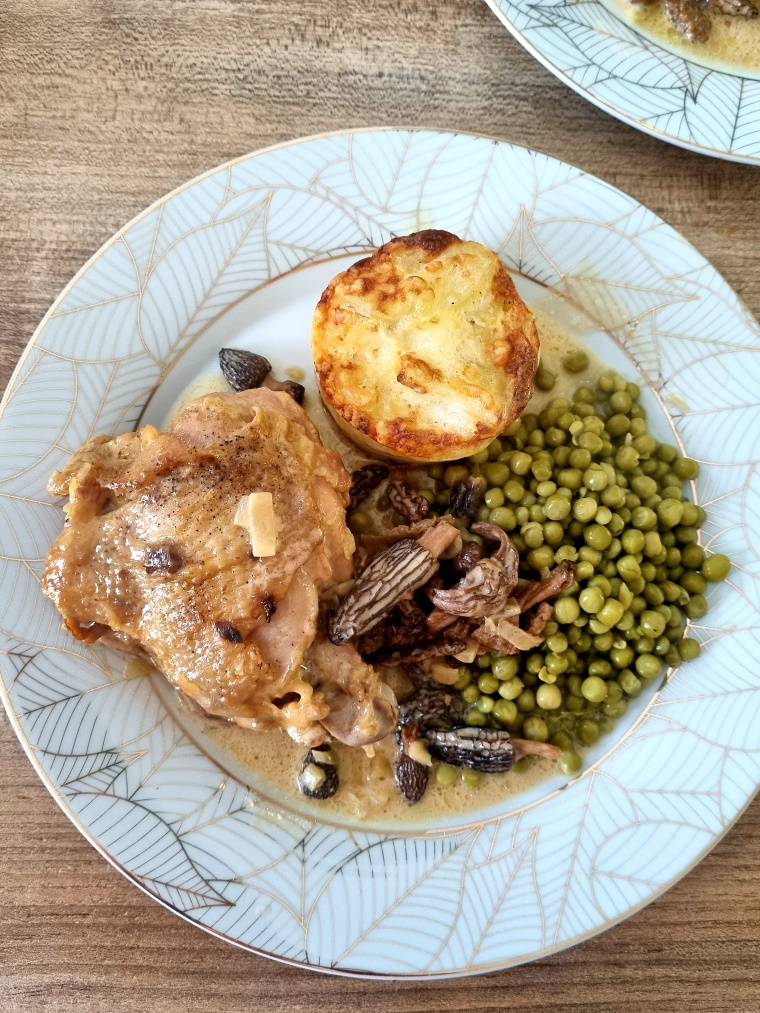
(497, 891)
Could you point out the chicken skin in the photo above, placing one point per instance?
(153, 558)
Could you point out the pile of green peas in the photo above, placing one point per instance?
(584, 481)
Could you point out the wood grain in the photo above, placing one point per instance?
(104, 106)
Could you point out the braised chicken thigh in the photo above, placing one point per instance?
(206, 549)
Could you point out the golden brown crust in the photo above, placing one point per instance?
(425, 350)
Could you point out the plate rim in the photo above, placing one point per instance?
(614, 111)
(29, 750)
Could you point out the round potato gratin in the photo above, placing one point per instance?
(424, 351)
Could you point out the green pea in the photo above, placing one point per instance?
(519, 464)
(685, 535)
(591, 599)
(617, 426)
(485, 704)
(622, 657)
(569, 762)
(533, 534)
(555, 663)
(676, 617)
(661, 646)
(597, 536)
(464, 679)
(496, 473)
(576, 362)
(506, 667)
(488, 683)
(360, 523)
(470, 694)
(633, 541)
(584, 394)
(590, 441)
(614, 496)
(553, 533)
(690, 515)
(494, 498)
(483, 514)
(689, 649)
(667, 453)
(673, 659)
(611, 612)
(526, 701)
(615, 710)
(643, 518)
(514, 490)
(446, 775)
(630, 683)
(567, 610)
(584, 509)
(535, 728)
(614, 692)
(557, 507)
(715, 567)
(603, 643)
(588, 731)
(535, 662)
(595, 479)
(670, 512)
(626, 458)
(473, 716)
(575, 703)
(541, 469)
(480, 458)
(471, 778)
(455, 473)
(503, 517)
(651, 623)
(555, 436)
(620, 402)
(557, 643)
(655, 595)
(648, 666)
(511, 689)
(541, 557)
(628, 566)
(505, 711)
(643, 486)
(570, 478)
(685, 468)
(693, 582)
(644, 444)
(696, 606)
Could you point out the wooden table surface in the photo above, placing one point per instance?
(105, 105)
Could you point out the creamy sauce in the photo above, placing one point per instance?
(367, 787)
(733, 44)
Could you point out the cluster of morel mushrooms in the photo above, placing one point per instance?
(426, 602)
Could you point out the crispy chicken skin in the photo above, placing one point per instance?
(151, 559)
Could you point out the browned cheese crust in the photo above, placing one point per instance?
(425, 350)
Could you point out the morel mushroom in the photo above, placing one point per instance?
(388, 577)
(480, 593)
(466, 497)
(244, 370)
(364, 481)
(405, 500)
(318, 777)
(489, 750)
(413, 767)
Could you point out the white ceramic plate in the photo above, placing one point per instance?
(601, 56)
(215, 262)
